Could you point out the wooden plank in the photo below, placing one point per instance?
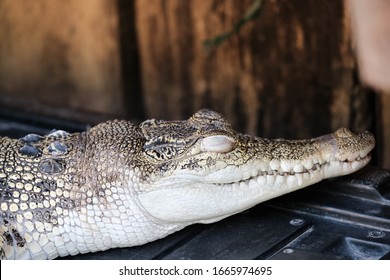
(60, 54)
(289, 73)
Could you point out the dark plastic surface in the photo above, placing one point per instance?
(343, 218)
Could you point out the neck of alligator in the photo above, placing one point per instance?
(122, 185)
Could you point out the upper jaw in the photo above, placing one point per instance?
(336, 154)
(345, 146)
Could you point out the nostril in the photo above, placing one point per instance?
(344, 133)
(217, 144)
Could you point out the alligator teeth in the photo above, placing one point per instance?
(308, 164)
(283, 173)
(254, 173)
(298, 168)
(291, 181)
(364, 153)
(271, 179)
(253, 183)
(262, 180)
(280, 181)
(286, 166)
(274, 165)
(246, 175)
(298, 172)
(299, 178)
(355, 164)
(354, 157)
(270, 172)
(306, 177)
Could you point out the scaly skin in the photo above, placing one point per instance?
(121, 185)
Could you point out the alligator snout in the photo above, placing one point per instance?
(345, 145)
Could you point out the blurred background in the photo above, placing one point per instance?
(275, 68)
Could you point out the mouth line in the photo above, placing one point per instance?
(316, 168)
(313, 172)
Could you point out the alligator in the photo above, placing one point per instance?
(121, 184)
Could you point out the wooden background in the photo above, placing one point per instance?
(291, 72)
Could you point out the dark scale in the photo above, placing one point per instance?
(47, 185)
(210, 161)
(52, 166)
(58, 134)
(20, 241)
(44, 215)
(7, 217)
(164, 168)
(30, 151)
(8, 238)
(57, 148)
(5, 195)
(191, 165)
(99, 192)
(31, 138)
(11, 236)
(38, 215)
(67, 203)
(37, 197)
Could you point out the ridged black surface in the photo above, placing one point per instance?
(343, 218)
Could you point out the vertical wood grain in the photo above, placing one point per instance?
(61, 54)
(288, 73)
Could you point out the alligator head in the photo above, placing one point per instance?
(201, 170)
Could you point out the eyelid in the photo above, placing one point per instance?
(217, 144)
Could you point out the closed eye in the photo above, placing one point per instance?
(218, 144)
(165, 151)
